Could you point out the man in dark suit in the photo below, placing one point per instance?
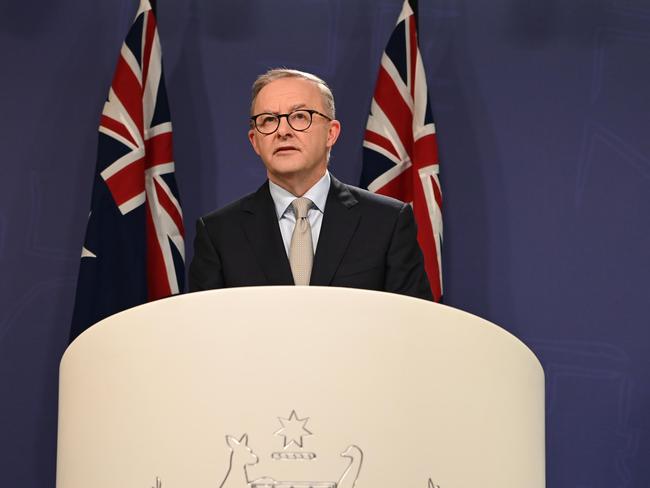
(338, 236)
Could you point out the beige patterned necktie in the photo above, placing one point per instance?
(301, 250)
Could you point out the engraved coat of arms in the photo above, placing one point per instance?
(293, 430)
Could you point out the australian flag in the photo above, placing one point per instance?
(400, 151)
(134, 248)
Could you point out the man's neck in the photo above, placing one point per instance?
(297, 185)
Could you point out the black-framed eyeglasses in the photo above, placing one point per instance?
(300, 120)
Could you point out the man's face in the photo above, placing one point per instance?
(292, 156)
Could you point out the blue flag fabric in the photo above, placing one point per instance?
(134, 248)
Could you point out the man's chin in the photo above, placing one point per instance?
(285, 174)
(287, 164)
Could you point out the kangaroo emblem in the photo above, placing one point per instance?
(240, 456)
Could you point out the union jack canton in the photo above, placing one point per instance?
(134, 247)
(400, 152)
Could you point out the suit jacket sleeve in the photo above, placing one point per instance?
(405, 272)
(205, 270)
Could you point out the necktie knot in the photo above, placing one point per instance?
(301, 206)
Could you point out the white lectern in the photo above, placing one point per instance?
(299, 387)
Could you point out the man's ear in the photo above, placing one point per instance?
(253, 141)
(333, 132)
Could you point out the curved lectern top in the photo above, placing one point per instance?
(299, 387)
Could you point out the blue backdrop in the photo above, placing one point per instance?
(542, 111)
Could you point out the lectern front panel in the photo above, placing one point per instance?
(299, 387)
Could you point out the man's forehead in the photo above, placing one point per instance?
(288, 94)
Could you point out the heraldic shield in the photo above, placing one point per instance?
(217, 389)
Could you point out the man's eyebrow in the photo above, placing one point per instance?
(291, 109)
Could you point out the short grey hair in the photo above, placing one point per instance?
(279, 73)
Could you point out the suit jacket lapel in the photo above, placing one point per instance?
(261, 227)
(340, 221)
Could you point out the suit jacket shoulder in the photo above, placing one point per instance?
(240, 245)
(369, 241)
(376, 200)
(230, 210)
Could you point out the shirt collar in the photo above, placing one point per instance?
(318, 194)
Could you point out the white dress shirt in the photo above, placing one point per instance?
(286, 216)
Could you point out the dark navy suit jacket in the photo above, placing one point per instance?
(366, 241)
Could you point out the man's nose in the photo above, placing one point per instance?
(284, 128)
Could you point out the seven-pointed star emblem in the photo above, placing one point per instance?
(293, 429)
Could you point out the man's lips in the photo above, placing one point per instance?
(284, 149)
